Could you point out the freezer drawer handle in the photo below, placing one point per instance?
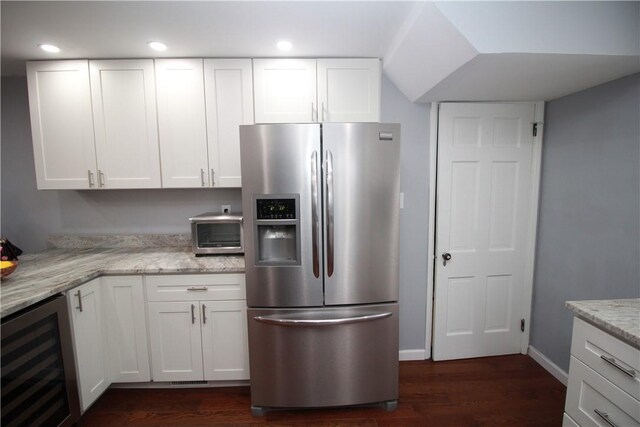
(321, 322)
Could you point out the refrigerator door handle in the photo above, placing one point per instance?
(321, 322)
(329, 212)
(314, 214)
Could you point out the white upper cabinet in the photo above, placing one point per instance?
(126, 130)
(349, 90)
(229, 97)
(285, 90)
(62, 124)
(181, 122)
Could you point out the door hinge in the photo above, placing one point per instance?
(522, 325)
(535, 129)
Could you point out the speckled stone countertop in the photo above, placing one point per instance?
(619, 317)
(41, 275)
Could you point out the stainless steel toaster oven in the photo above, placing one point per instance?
(215, 234)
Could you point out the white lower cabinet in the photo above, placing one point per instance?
(202, 333)
(603, 386)
(89, 341)
(124, 313)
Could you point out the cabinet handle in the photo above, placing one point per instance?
(312, 111)
(323, 111)
(91, 183)
(605, 417)
(204, 314)
(193, 314)
(202, 176)
(213, 179)
(197, 288)
(100, 178)
(79, 307)
(611, 361)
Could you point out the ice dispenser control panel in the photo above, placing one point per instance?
(277, 230)
(276, 208)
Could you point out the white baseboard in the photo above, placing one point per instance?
(547, 364)
(412, 355)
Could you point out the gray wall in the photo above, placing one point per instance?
(414, 218)
(28, 216)
(588, 243)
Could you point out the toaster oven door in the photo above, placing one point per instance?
(217, 237)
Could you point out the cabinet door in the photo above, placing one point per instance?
(228, 86)
(176, 345)
(126, 326)
(181, 122)
(349, 90)
(89, 341)
(61, 124)
(225, 347)
(126, 127)
(285, 90)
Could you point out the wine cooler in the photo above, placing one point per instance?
(38, 376)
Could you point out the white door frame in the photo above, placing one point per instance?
(531, 233)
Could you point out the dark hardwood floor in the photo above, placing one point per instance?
(492, 391)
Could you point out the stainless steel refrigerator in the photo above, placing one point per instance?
(321, 224)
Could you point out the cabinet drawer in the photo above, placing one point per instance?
(591, 399)
(615, 360)
(195, 287)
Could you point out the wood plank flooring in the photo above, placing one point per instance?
(491, 391)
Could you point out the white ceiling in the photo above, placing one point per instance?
(121, 29)
(432, 51)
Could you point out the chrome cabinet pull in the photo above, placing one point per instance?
(202, 176)
(323, 111)
(193, 314)
(204, 314)
(605, 417)
(197, 288)
(611, 361)
(79, 307)
(100, 178)
(329, 213)
(91, 183)
(314, 214)
(213, 179)
(312, 111)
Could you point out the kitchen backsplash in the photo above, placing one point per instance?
(70, 241)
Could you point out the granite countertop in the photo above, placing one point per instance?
(41, 275)
(619, 317)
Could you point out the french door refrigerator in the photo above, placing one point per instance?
(321, 210)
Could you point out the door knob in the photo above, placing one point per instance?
(445, 257)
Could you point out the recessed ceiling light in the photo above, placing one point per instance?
(284, 45)
(49, 48)
(157, 46)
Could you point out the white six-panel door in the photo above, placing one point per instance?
(484, 189)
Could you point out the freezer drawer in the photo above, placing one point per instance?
(323, 357)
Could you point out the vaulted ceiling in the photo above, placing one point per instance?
(432, 51)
